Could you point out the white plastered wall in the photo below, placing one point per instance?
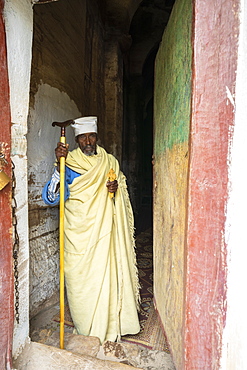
(18, 17)
(234, 356)
(50, 104)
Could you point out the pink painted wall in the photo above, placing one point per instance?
(214, 65)
(6, 275)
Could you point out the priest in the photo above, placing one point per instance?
(101, 276)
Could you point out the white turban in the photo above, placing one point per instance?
(84, 125)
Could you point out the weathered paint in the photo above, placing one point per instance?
(172, 121)
(214, 66)
(170, 185)
(6, 273)
(234, 354)
(18, 18)
(173, 80)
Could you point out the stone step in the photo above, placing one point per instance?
(91, 353)
(38, 356)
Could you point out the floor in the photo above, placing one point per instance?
(45, 331)
(85, 352)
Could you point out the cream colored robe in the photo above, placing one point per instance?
(100, 263)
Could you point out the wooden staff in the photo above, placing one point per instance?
(61, 227)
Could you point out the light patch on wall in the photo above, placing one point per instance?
(19, 27)
(230, 96)
(50, 105)
(37, 2)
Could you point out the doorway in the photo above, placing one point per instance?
(146, 31)
(60, 54)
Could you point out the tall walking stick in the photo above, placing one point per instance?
(63, 125)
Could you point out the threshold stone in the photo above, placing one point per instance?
(39, 356)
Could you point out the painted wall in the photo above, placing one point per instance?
(215, 42)
(234, 354)
(6, 272)
(19, 22)
(171, 135)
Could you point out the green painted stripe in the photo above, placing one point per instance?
(172, 100)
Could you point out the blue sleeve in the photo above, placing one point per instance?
(70, 175)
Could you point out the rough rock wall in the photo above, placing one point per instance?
(68, 80)
(172, 120)
(113, 98)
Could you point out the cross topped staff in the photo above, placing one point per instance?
(112, 177)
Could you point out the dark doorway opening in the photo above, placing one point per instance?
(146, 30)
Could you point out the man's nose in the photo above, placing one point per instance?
(88, 140)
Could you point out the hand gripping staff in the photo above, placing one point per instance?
(63, 125)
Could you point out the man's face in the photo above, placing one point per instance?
(87, 142)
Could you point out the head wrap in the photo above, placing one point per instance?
(84, 125)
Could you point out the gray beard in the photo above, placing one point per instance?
(89, 154)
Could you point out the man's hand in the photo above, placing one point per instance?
(112, 186)
(61, 151)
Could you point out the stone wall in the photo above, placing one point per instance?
(172, 120)
(75, 71)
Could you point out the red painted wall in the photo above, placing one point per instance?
(6, 274)
(214, 65)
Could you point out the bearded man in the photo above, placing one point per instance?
(99, 254)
